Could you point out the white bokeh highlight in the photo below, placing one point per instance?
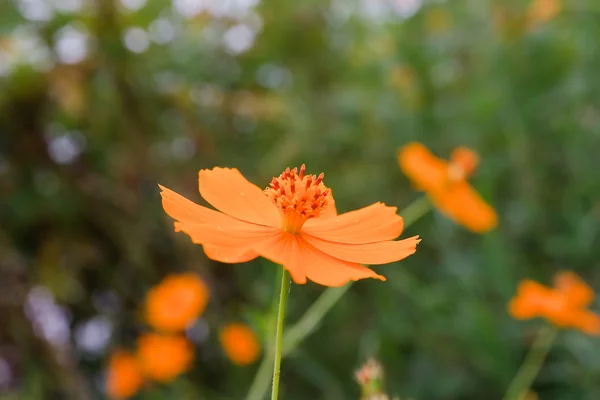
(93, 336)
(35, 10)
(238, 39)
(133, 5)
(136, 40)
(49, 320)
(71, 44)
(161, 31)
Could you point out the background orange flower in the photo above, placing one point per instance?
(240, 343)
(124, 378)
(162, 357)
(446, 185)
(176, 302)
(562, 305)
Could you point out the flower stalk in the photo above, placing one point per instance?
(519, 387)
(283, 294)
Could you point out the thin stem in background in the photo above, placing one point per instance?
(415, 210)
(309, 321)
(530, 368)
(283, 294)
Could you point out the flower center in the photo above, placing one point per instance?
(463, 163)
(299, 197)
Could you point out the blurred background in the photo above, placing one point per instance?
(100, 100)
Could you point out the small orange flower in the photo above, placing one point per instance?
(124, 378)
(293, 222)
(447, 186)
(543, 10)
(240, 343)
(162, 357)
(176, 302)
(562, 305)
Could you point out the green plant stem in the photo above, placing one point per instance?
(283, 294)
(415, 210)
(532, 364)
(315, 313)
(309, 321)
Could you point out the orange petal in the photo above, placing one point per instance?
(228, 191)
(186, 211)
(204, 225)
(587, 322)
(425, 170)
(367, 253)
(233, 234)
(556, 309)
(371, 224)
(530, 300)
(465, 160)
(522, 308)
(329, 211)
(461, 203)
(240, 343)
(578, 293)
(124, 378)
(283, 248)
(230, 255)
(305, 261)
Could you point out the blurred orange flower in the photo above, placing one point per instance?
(124, 377)
(564, 305)
(240, 343)
(176, 302)
(163, 357)
(447, 186)
(543, 10)
(293, 222)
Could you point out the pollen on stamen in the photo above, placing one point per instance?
(298, 197)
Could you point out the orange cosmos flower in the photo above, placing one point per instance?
(447, 186)
(564, 305)
(124, 378)
(176, 302)
(293, 222)
(240, 343)
(162, 357)
(543, 10)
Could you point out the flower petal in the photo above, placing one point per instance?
(465, 206)
(530, 301)
(371, 224)
(229, 255)
(425, 170)
(283, 248)
(521, 308)
(228, 191)
(366, 253)
(186, 211)
(233, 234)
(578, 293)
(587, 322)
(305, 261)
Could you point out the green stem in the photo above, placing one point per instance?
(283, 294)
(415, 210)
(312, 317)
(315, 313)
(530, 368)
